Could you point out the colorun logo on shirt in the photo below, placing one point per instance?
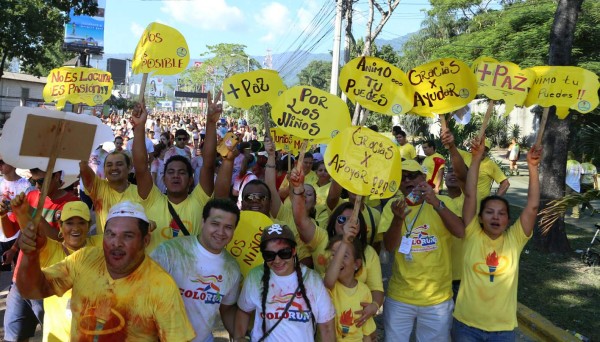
(209, 292)
(423, 241)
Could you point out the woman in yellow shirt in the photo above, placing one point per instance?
(487, 300)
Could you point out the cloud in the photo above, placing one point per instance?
(137, 29)
(278, 20)
(207, 15)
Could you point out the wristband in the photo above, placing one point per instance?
(302, 193)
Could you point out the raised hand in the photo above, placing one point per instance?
(297, 177)
(139, 114)
(399, 208)
(351, 229)
(534, 156)
(20, 206)
(30, 241)
(447, 138)
(214, 109)
(478, 147)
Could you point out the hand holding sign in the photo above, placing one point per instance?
(253, 88)
(161, 50)
(377, 85)
(78, 85)
(310, 113)
(442, 86)
(364, 162)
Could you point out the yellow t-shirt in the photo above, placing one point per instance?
(346, 302)
(286, 216)
(427, 279)
(369, 273)
(487, 298)
(144, 306)
(457, 243)
(311, 178)
(321, 192)
(407, 151)
(489, 172)
(57, 317)
(189, 211)
(104, 197)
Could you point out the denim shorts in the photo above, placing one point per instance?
(464, 333)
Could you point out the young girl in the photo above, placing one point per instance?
(346, 292)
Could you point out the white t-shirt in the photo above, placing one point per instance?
(149, 145)
(205, 280)
(574, 171)
(158, 167)
(10, 189)
(297, 324)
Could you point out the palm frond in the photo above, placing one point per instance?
(557, 208)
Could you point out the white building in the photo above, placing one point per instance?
(19, 90)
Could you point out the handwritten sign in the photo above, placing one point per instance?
(364, 162)
(78, 85)
(564, 87)
(310, 113)
(285, 141)
(253, 88)
(377, 85)
(245, 244)
(442, 86)
(161, 50)
(503, 80)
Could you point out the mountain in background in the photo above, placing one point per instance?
(289, 64)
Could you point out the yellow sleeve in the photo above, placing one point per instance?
(201, 196)
(372, 266)
(62, 274)
(385, 220)
(170, 315)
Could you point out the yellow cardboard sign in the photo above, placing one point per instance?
(161, 50)
(78, 85)
(442, 86)
(564, 87)
(253, 88)
(285, 141)
(503, 81)
(245, 244)
(310, 113)
(364, 162)
(377, 85)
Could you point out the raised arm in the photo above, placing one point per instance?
(333, 270)
(140, 154)
(87, 174)
(458, 164)
(529, 213)
(209, 149)
(306, 227)
(334, 194)
(223, 182)
(31, 281)
(470, 203)
(271, 177)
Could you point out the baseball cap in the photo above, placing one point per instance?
(75, 209)
(127, 209)
(317, 157)
(276, 231)
(412, 166)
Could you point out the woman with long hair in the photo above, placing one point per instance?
(288, 299)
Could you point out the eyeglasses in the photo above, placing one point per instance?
(410, 175)
(341, 219)
(255, 197)
(39, 182)
(283, 254)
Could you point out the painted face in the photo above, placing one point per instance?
(279, 266)
(307, 164)
(341, 219)
(349, 263)
(177, 179)
(256, 198)
(123, 246)
(74, 231)
(217, 230)
(494, 218)
(410, 179)
(115, 168)
(322, 173)
(310, 197)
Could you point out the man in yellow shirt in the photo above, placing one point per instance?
(407, 151)
(118, 294)
(429, 164)
(417, 230)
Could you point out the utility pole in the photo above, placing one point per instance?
(337, 41)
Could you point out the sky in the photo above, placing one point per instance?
(280, 26)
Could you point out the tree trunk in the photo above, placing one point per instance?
(4, 56)
(556, 137)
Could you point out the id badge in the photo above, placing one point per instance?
(405, 245)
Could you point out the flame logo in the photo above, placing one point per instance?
(492, 259)
(346, 317)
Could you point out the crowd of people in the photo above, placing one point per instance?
(139, 252)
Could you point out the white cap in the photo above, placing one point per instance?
(127, 209)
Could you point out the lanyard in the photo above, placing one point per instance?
(409, 228)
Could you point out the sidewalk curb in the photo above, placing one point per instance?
(535, 325)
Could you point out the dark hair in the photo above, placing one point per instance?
(119, 137)
(374, 128)
(158, 148)
(143, 226)
(494, 198)
(188, 165)
(265, 289)
(221, 204)
(307, 155)
(401, 132)
(115, 153)
(357, 248)
(313, 211)
(396, 130)
(182, 132)
(257, 182)
(362, 235)
(430, 143)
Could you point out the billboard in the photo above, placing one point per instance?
(86, 33)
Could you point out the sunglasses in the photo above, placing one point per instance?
(39, 182)
(181, 139)
(410, 175)
(255, 197)
(283, 254)
(341, 219)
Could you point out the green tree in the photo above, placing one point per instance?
(32, 31)
(316, 74)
